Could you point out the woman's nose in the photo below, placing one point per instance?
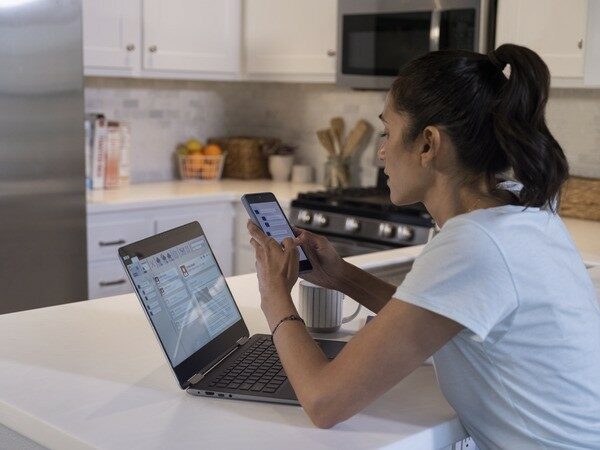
(381, 152)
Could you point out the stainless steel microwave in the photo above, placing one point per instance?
(376, 37)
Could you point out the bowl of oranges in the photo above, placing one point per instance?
(200, 162)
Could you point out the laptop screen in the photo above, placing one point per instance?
(185, 296)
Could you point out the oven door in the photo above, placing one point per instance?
(351, 247)
(376, 37)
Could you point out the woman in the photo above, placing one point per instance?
(500, 297)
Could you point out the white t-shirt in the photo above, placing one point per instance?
(525, 371)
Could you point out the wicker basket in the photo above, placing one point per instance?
(201, 167)
(247, 156)
(581, 198)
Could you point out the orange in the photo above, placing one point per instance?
(212, 150)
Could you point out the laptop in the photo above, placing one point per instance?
(198, 324)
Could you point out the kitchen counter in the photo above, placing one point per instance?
(91, 374)
(585, 233)
(179, 192)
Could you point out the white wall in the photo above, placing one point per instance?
(163, 112)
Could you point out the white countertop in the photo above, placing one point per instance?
(91, 374)
(180, 192)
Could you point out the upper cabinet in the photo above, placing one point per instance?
(290, 39)
(111, 36)
(194, 39)
(557, 30)
(201, 36)
(283, 40)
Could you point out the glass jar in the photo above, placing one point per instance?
(337, 172)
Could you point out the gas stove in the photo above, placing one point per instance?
(360, 220)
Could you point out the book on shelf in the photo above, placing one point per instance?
(107, 147)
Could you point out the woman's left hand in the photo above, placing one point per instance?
(276, 266)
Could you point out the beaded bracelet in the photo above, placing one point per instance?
(292, 317)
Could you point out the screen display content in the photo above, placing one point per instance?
(273, 223)
(185, 296)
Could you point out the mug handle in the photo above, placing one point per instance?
(352, 316)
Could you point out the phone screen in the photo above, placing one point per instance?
(271, 219)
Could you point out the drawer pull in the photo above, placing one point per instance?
(112, 283)
(111, 243)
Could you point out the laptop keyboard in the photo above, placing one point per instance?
(256, 370)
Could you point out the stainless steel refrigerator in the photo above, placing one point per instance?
(42, 171)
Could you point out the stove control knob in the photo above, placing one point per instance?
(320, 220)
(386, 230)
(304, 216)
(405, 233)
(352, 225)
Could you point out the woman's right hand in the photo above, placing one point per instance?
(328, 266)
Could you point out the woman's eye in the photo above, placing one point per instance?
(384, 134)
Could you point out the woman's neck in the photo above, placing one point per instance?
(448, 198)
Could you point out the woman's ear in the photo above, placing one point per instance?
(430, 145)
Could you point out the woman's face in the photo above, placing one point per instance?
(407, 179)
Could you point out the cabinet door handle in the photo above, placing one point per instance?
(130, 47)
(112, 283)
(330, 52)
(111, 243)
(580, 43)
(152, 49)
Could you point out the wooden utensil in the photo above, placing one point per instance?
(337, 148)
(326, 140)
(356, 136)
(337, 126)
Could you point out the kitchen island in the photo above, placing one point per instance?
(92, 374)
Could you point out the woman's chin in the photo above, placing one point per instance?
(401, 200)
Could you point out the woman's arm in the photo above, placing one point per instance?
(368, 290)
(381, 354)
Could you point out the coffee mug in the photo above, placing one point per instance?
(321, 308)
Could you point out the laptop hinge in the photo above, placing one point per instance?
(196, 378)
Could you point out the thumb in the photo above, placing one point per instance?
(288, 244)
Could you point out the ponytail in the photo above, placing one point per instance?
(536, 158)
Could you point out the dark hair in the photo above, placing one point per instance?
(495, 123)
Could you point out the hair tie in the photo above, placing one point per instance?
(504, 67)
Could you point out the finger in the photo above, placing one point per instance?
(302, 236)
(297, 231)
(257, 234)
(258, 249)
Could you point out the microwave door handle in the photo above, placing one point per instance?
(434, 31)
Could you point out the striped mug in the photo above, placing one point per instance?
(321, 308)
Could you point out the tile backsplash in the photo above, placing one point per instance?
(163, 113)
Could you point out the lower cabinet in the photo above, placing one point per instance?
(109, 230)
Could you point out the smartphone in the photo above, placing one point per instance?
(265, 212)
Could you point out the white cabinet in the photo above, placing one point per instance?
(107, 231)
(196, 39)
(192, 35)
(290, 39)
(283, 40)
(555, 29)
(111, 37)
